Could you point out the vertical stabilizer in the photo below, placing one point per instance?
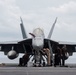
(51, 31)
(22, 29)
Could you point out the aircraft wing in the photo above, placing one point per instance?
(19, 46)
(70, 46)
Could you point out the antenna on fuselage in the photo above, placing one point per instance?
(22, 29)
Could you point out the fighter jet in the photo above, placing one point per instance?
(33, 47)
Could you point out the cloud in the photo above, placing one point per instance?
(10, 7)
(66, 24)
(9, 18)
(41, 17)
(9, 12)
(65, 8)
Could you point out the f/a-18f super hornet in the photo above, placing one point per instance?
(35, 47)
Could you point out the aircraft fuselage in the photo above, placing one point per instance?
(38, 40)
(37, 43)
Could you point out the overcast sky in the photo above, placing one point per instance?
(38, 13)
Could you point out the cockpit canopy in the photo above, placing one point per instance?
(38, 32)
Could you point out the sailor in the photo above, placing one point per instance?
(57, 57)
(63, 53)
(23, 61)
(47, 52)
